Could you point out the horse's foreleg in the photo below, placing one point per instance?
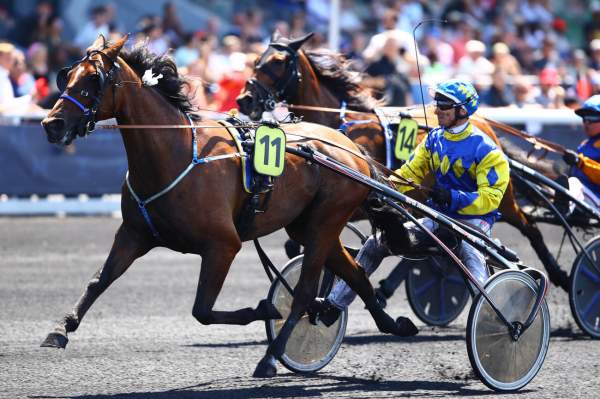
(514, 216)
(305, 291)
(126, 248)
(216, 261)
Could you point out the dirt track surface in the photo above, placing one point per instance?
(139, 339)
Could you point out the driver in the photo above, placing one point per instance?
(584, 176)
(471, 176)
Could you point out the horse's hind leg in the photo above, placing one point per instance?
(126, 248)
(513, 215)
(315, 255)
(216, 260)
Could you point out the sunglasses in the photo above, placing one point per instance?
(591, 119)
(445, 105)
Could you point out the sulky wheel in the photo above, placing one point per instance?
(584, 295)
(436, 290)
(310, 347)
(502, 363)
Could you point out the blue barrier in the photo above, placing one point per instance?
(31, 165)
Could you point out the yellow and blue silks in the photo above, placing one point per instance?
(468, 164)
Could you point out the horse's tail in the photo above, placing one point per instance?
(384, 217)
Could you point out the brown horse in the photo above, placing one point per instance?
(321, 78)
(198, 215)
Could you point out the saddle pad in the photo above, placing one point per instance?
(247, 169)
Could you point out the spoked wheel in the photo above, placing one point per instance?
(584, 295)
(310, 347)
(436, 290)
(502, 363)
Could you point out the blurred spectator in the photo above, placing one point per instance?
(403, 39)
(536, 11)
(388, 75)
(355, 50)
(435, 72)
(474, 65)
(298, 25)
(548, 57)
(499, 94)
(350, 21)
(34, 27)
(592, 28)
(523, 93)
(37, 58)
(7, 23)
(282, 27)
(97, 25)
(22, 81)
(581, 75)
(219, 62)
(464, 34)
(550, 94)
(157, 41)
(410, 13)
(6, 63)
(171, 25)
(444, 53)
(595, 54)
(8, 102)
(189, 52)
(503, 61)
(232, 83)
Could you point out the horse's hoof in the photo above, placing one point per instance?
(268, 311)
(405, 327)
(55, 340)
(266, 368)
(292, 249)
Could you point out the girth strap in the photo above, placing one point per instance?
(142, 203)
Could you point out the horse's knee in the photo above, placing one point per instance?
(204, 316)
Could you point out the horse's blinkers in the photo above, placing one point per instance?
(88, 122)
(267, 97)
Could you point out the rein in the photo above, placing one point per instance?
(325, 109)
(535, 141)
(368, 160)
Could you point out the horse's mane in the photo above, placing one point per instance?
(336, 73)
(171, 85)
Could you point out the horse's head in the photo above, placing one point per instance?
(276, 76)
(84, 85)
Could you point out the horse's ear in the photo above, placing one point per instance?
(115, 48)
(297, 43)
(99, 43)
(275, 36)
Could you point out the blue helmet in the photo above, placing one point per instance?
(461, 92)
(591, 106)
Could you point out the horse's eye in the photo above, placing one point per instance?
(84, 93)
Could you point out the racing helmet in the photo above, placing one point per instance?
(591, 107)
(461, 92)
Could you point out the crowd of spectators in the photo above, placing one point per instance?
(520, 53)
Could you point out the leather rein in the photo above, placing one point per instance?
(368, 160)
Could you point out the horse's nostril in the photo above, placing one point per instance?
(54, 125)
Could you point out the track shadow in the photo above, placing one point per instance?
(291, 386)
(380, 338)
(425, 336)
(568, 333)
(228, 344)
